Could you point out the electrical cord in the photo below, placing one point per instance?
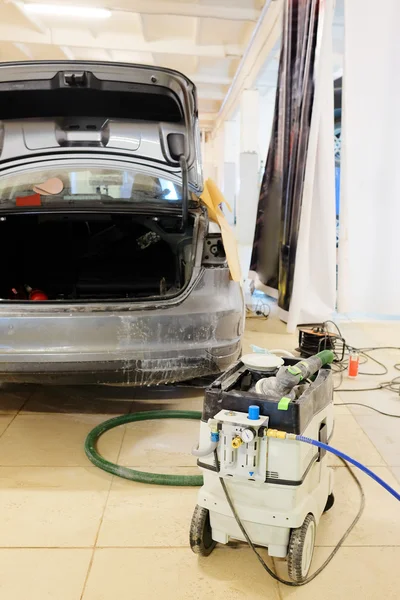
(311, 344)
(366, 406)
(393, 385)
(260, 558)
(259, 309)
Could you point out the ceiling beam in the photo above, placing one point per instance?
(32, 20)
(69, 55)
(261, 44)
(84, 39)
(24, 49)
(175, 9)
(207, 121)
(210, 94)
(186, 9)
(143, 28)
(198, 78)
(207, 117)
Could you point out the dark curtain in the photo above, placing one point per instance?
(279, 208)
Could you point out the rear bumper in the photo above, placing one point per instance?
(143, 372)
(199, 337)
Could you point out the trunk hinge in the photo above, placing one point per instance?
(176, 146)
(185, 191)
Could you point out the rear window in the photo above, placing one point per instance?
(41, 98)
(85, 184)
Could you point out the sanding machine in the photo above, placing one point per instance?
(278, 488)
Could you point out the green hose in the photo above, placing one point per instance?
(132, 474)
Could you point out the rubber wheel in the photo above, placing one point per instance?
(329, 503)
(338, 139)
(301, 549)
(201, 541)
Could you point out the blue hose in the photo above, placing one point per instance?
(344, 456)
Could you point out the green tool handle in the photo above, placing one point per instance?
(326, 357)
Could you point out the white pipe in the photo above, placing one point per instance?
(280, 352)
(205, 451)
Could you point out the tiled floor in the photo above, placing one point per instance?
(69, 531)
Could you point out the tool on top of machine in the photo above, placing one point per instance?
(289, 377)
(262, 362)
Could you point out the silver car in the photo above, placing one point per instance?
(111, 269)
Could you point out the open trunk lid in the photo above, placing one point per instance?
(144, 113)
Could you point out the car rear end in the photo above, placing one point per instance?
(112, 272)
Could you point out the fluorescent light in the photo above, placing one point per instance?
(80, 12)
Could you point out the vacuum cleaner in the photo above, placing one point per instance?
(280, 487)
(265, 481)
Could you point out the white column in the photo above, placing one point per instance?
(203, 145)
(267, 109)
(249, 120)
(219, 158)
(209, 160)
(230, 168)
(247, 202)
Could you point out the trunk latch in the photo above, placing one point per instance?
(76, 79)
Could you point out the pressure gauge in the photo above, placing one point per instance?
(247, 435)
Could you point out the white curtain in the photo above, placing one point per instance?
(314, 288)
(369, 250)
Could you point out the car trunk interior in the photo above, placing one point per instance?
(94, 256)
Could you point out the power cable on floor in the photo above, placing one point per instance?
(326, 338)
(381, 412)
(321, 336)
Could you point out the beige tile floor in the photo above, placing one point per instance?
(69, 531)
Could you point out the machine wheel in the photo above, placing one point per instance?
(338, 136)
(329, 503)
(301, 549)
(201, 541)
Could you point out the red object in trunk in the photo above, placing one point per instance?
(37, 295)
(17, 293)
(33, 200)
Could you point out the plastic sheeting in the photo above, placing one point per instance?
(213, 199)
(369, 246)
(294, 250)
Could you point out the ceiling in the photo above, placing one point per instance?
(205, 39)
